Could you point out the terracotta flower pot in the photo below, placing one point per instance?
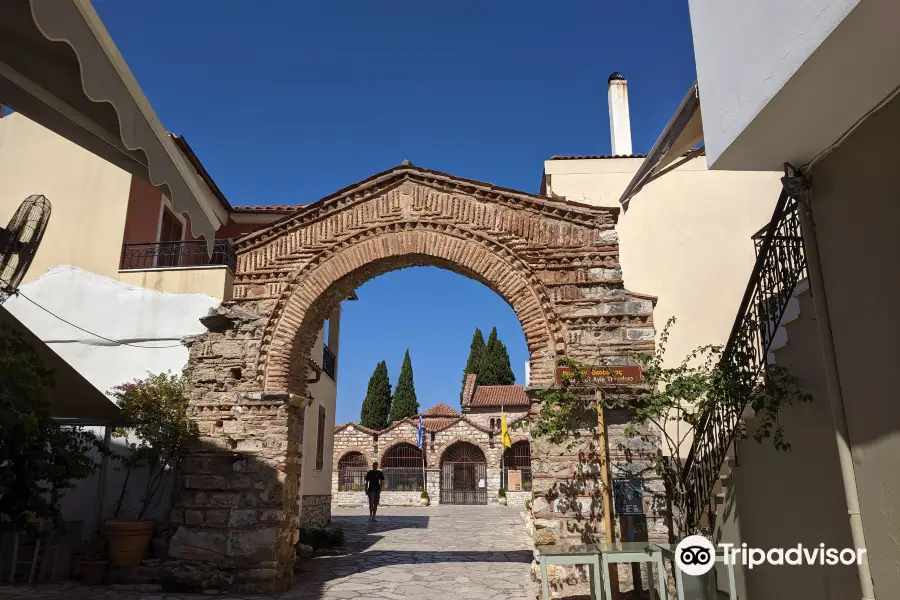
(93, 572)
(128, 541)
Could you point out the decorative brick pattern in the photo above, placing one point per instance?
(555, 262)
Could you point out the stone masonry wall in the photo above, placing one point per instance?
(315, 511)
(555, 262)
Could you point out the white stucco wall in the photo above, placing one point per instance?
(116, 311)
(746, 52)
(781, 80)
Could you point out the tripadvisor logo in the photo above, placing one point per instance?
(696, 555)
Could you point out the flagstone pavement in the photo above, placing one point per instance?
(433, 553)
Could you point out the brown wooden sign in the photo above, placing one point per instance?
(621, 375)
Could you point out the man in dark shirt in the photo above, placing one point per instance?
(373, 489)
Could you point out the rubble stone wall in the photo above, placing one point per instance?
(315, 511)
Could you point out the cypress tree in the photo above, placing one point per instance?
(494, 368)
(473, 363)
(376, 408)
(404, 403)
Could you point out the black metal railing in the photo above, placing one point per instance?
(329, 361)
(352, 479)
(166, 255)
(404, 479)
(780, 266)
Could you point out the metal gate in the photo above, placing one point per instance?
(463, 475)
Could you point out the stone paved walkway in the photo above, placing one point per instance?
(434, 553)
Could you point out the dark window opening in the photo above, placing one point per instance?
(320, 440)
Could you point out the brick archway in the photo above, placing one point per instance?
(336, 273)
(555, 262)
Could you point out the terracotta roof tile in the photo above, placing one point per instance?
(440, 410)
(500, 395)
(438, 423)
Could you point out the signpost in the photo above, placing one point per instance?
(601, 376)
(598, 377)
(628, 497)
(514, 480)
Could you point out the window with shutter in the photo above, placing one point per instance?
(320, 441)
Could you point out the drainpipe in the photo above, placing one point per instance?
(798, 187)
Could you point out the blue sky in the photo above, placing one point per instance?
(286, 102)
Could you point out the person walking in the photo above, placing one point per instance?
(373, 489)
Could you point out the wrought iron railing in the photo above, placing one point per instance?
(166, 255)
(780, 266)
(329, 361)
(404, 479)
(352, 479)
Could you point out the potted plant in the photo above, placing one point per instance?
(501, 495)
(155, 410)
(94, 561)
(424, 499)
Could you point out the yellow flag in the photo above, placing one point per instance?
(504, 431)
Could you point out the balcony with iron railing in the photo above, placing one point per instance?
(780, 265)
(169, 255)
(184, 266)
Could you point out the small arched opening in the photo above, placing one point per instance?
(517, 458)
(463, 475)
(352, 470)
(404, 468)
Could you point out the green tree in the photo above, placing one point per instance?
(404, 403)
(376, 408)
(494, 368)
(476, 353)
(39, 459)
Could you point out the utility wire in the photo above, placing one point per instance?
(115, 342)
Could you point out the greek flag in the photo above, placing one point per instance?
(419, 436)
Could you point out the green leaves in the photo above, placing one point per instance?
(476, 350)
(404, 403)
(376, 408)
(158, 429)
(39, 459)
(674, 400)
(490, 361)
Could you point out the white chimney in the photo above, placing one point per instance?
(619, 121)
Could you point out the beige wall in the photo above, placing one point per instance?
(90, 202)
(781, 499)
(313, 482)
(685, 239)
(856, 206)
(212, 281)
(89, 197)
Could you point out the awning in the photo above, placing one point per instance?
(60, 68)
(74, 398)
(677, 144)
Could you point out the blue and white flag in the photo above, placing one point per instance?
(419, 438)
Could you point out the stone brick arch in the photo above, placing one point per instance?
(338, 456)
(438, 455)
(555, 262)
(333, 275)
